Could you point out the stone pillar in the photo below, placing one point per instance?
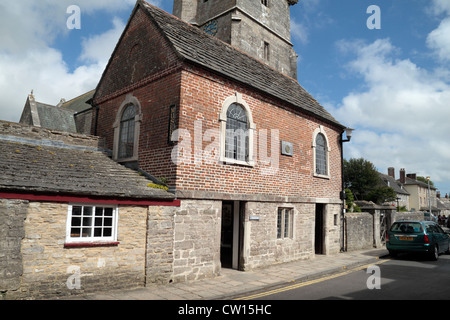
(12, 216)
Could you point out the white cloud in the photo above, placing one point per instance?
(28, 60)
(98, 48)
(299, 31)
(439, 40)
(440, 6)
(401, 114)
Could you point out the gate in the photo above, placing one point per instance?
(383, 227)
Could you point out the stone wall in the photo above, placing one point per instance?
(197, 240)
(12, 216)
(48, 265)
(160, 245)
(36, 263)
(263, 248)
(332, 229)
(359, 231)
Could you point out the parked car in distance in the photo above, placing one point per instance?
(417, 236)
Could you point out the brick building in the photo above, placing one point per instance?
(252, 162)
(254, 159)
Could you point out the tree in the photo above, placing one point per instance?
(381, 194)
(360, 176)
(424, 180)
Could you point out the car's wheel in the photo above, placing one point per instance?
(434, 254)
(392, 253)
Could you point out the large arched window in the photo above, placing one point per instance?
(126, 130)
(321, 150)
(237, 127)
(126, 136)
(236, 141)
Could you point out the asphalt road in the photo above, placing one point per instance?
(406, 277)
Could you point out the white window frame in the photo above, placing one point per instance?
(92, 239)
(321, 130)
(289, 212)
(236, 99)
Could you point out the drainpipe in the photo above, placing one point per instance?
(348, 132)
(94, 106)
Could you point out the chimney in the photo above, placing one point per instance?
(402, 175)
(438, 194)
(391, 172)
(61, 103)
(412, 176)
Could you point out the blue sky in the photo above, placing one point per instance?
(391, 84)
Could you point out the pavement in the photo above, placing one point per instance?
(231, 284)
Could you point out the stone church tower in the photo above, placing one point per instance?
(261, 28)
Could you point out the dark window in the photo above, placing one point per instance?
(321, 155)
(126, 138)
(284, 223)
(266, 50)
(236, 142)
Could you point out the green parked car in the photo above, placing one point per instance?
(417, 236)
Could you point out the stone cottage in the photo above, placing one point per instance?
(73, 221)
(255, 161)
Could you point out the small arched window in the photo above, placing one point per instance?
(321, 155)
(236, 142)
(126, 135)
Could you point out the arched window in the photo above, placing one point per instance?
(236, 142)
(321, 155)
(126, 136)
(126, 130)
(321, 151)
(237, 128)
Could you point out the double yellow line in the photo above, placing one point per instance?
(307, 283)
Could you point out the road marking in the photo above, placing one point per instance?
(307, 283)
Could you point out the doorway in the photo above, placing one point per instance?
(319, 226)
(231, 239)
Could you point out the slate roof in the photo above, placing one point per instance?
(28, 165)
(52, 117)
(47, 116)
(410, 181)
(196, 46)
(79, 103)
(394, 184)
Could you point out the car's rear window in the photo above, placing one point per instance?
(407, 227)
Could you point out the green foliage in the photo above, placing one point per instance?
(424, 180)
(381, 194)
(157, 186)
(360, 176)
(349, 201)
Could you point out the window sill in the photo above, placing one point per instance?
(91, 244)
(237, 162)
(322, 176)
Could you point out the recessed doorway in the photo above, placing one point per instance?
(319, 226)
(231, 239)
